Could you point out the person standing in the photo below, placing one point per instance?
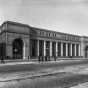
(2, 59)
(55, 58)
(39, 57)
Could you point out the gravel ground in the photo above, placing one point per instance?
(64, 72)
(83, 85)
(72, 69)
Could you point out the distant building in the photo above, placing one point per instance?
(20, 41)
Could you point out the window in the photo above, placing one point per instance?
(49, 34)
(69, 37)
(66, 37)
(35, 32)
(55, 35)
(38, 32)
(59, 36)
(45, 33)
(42, 33)
(75, 38)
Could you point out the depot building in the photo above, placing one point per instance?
(21, 41)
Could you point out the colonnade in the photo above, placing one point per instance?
(58, 49)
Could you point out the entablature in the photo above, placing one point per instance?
(15, 27)
(3, 27)
(55, 35)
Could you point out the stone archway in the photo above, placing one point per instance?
(18, 49)
(86, 52)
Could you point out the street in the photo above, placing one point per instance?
(38, 66)
(64, 80)
(67, 74)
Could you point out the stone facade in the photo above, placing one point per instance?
(35, 41)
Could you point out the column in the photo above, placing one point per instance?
(66, 49)
(44, 48)
(50, 49)
(30, 47)
(61, 49)
(24, 51)
(70, 49)
(6, 37)
(79, 49)
(56, 49)
(75, 49)
(37, 47)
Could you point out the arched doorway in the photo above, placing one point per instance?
(86, 52)
(17, 49)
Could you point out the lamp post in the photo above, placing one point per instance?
(55, 58)
(46, 53)
(15, 52)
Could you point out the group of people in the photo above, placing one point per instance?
(46, 58)
(40, 58)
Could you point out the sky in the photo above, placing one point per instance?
(67, 16)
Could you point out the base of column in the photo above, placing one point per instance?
(26, 57)
(23, 57)
(62, 57)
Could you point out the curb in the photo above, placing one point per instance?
(16, 63)
(20, 63)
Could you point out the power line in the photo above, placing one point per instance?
(64, 16)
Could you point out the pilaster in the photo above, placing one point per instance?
(61, 49)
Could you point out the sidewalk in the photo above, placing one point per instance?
(35, 61)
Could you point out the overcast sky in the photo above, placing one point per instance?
(68, 16)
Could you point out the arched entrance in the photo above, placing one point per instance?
(86, 52)
(17, 49)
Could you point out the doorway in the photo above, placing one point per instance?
(86, 52)
(17, 49)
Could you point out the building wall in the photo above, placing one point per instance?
(3, 38)
(11, 37)
(42, 33)
(84, 45)
(9, 31)
(9, 51)
(18, 28)
(2, 44)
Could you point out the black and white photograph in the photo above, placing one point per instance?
(43, 43)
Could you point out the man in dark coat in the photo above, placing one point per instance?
(2, 59)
